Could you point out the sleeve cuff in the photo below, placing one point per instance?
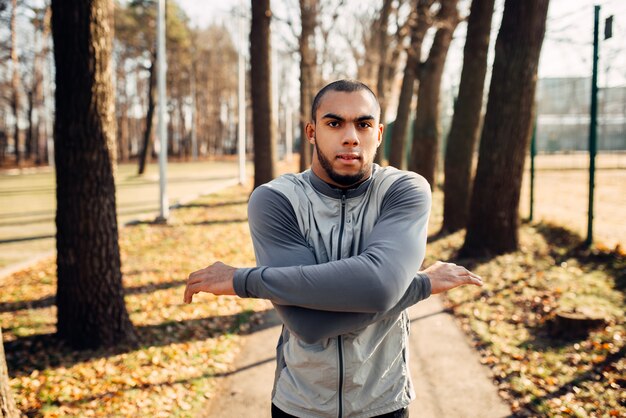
(426, 285)
(240, 282)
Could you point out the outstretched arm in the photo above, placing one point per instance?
(372, 281)
(279, 242)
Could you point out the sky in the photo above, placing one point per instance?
(567, 49)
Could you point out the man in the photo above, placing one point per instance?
(338, 247)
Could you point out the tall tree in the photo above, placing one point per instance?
(215, 84)
(138, 45)
(494, 209)
(425, 149)
(36, 141)
(420, 22)
(382, 53)
(146, 142)
(260, 67)
(15, 84)
(466, 120)
(308, 64)
(7, 404)
(90, 297)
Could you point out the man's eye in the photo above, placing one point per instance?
(333, 124)
(365, 125)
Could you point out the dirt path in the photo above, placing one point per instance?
(448, 377)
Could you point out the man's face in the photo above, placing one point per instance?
(346, 134)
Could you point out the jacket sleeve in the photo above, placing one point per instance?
(278, 242)
(373, 281)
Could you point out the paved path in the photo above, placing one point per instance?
(449, 380)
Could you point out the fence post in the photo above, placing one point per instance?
(593, 124)
(533, 152)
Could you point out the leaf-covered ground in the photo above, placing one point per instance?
(181, 346)
(184, 346)
(539, 370)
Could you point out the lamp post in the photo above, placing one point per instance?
(164, 211)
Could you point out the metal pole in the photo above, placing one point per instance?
(242, 100)
(533, 152)
(593, 124)
(164, 206)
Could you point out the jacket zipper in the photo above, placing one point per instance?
(339, 340)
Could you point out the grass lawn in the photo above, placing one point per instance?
(184, 346)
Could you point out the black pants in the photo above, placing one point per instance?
(400, 413)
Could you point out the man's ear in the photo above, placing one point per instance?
(381, 129)
(310, 132)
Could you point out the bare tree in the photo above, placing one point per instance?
(308, 70)
(36, 134)
(15, 84)
(425, 149)
(90, 297)
(466, 120)
(420, 21)
(494, 209)
(261, 87)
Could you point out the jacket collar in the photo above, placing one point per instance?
(335, 192)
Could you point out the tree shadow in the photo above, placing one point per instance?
(212, 205)
(48, 301)
(596, 369)
(219, 222)
(23, 239)
(43, 351)
(565, 245)
(144, 386)
(438, 236)
(173, 180)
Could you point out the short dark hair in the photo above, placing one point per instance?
(347, 86)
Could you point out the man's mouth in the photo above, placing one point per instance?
(348, 157)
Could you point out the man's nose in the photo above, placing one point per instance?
(350, 137)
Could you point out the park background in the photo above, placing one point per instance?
(168, 355)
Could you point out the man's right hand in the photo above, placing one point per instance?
(446, 276)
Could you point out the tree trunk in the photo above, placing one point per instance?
(493, 220)
(399, 132)
(7, 404)
(90, 297)
(425, 150)
(41, 156)
(15, 84)
(383, 46)
(147, 133)
(308, 17)
(260, 67)
(182, 130)
(123, 148)
(30, 100)
(466, 120)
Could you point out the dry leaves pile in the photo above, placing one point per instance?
(539, 371)
(182, 346)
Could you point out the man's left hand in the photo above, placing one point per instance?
(216, 279)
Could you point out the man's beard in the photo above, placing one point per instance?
(344, 180)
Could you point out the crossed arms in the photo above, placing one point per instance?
(317, 301)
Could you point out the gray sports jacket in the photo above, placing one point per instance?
(340, 268)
